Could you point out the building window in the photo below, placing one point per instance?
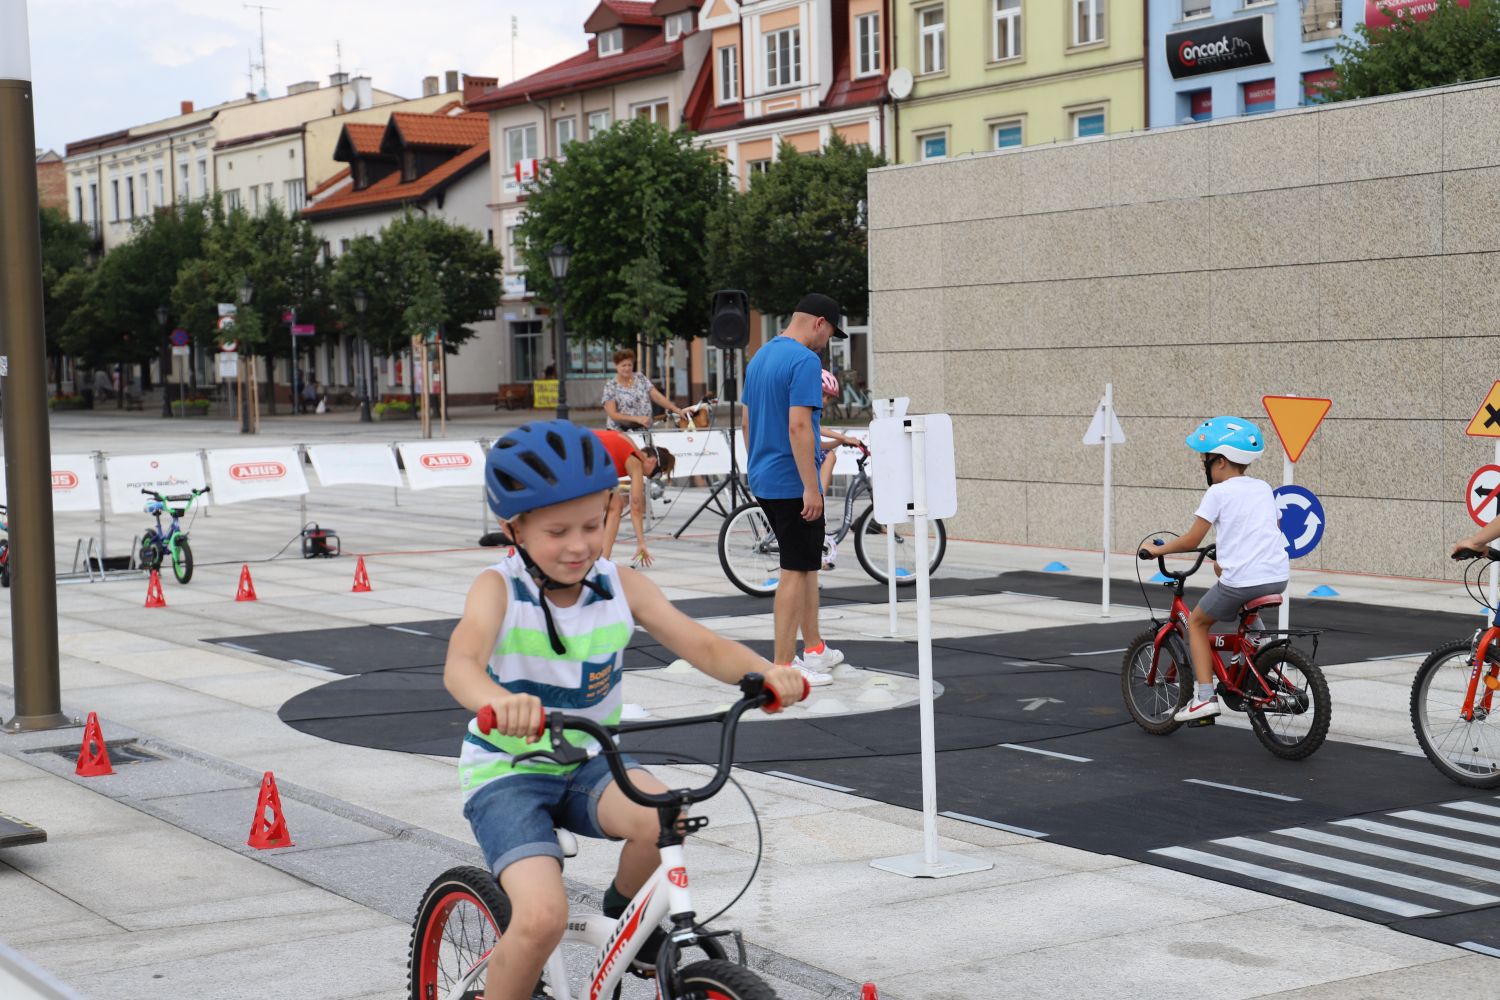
(512, 254)
(867, 33)
(78, 203)
(203, 178)
(296, 195)
(254, 199)
(270, 194)
(934, 146)
(1088, 21)
(1087, 123)
(1200, 105)
(1316, 84)
(611, 42)
(1006, 43)
(161, 187)
(130, 197)
(526, 351)
(784, 57)
(758, 167)
(679, 24)
(520, 144)
(94, 203)
(232, 199)
(932, 55)
(1260, 95)
(1322, 19)
(145, 195)
(184, 183)
(1199, 8)
(598, 123)
(1007, 135)
(655, 112)
(567, 131)
(729, 74)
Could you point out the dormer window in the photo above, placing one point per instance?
(611, 43)
(679, 24)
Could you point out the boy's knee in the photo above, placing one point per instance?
(1200, 622)
(540, 923)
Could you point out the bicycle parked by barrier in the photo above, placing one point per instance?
(752, 560)
(1258, 670)
(158, 545)
(464, 912)
(1453, 694)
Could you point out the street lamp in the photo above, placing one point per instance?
(558, 258)
(366, 372)
(166, 399)
(247, 290)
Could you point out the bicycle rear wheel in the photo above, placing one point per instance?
(870, 547)
(748, 550)
(1153, 697)
(1294, 721)
(460, 919)
(715, 980)
(149, 557)
(1467, 751)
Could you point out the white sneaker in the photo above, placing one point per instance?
(830, 553)
(824, 661)
(814, 678)
(1197, 710)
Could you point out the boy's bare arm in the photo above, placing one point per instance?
(1185, 542)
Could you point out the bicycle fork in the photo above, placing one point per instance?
(1472, 712)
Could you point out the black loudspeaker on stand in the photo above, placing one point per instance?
(728, 330)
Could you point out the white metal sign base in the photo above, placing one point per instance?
(944, 865)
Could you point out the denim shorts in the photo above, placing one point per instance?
(516, 817)
(1222, 603)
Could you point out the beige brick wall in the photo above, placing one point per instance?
(1348, 251)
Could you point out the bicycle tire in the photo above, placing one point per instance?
(1292, 743)
(150, 552)
(718, 980)
(1479, 773)
(1154, 712)
(748, 551)
(874, 562)
(182, 562)
(483, 913)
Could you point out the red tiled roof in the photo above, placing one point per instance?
(365, 137)
(662, 8)
(614, 13)
(435, 131)
(586, 69)
(331, 182)
(390, 191)
(701, 114)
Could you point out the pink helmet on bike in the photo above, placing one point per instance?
(830, 383)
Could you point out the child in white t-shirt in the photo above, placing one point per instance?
(1251, 559)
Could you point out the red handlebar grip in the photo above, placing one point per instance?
(776, 705)
(486, 719)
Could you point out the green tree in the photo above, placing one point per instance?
(800, 228)
(633, 206)
(65, 260)
(1455, 44)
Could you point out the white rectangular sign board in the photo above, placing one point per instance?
(342, 464)
(171, 473)
(891, 468)
(430, 464)
(241, 474)
(697, 452)
(846, 460)
(75, 486)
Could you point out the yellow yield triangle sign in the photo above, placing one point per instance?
(1486, 423)
(1296, 419)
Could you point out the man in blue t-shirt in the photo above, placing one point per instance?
(783, 401)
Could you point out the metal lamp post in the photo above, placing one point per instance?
(361, 303)
(558, 258)
(162, 315)
(247, 290)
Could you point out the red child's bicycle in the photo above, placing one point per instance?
(1259, 672)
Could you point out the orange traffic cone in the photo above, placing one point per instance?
(868, 992)
(361, 578)
(268, 828)
(93, 756)
(247, 586)
(154, 597)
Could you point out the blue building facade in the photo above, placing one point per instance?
(1209, 59)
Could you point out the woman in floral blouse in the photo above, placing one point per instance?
(629, 395)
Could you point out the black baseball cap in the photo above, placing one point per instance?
(818, 304)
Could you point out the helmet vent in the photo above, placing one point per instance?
(555, 441)
(508, 483)
(588, 455)
(535, 463)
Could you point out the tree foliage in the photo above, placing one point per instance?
(65, 264)
(1453, 45)
(800, 228)
(633, 206)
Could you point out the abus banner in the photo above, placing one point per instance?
(241, 474)
(430, 464)
(1210, 48)
(74, 484)
(342, 464)
(172, 473)
(1382, 13)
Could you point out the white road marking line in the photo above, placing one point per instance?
(1415, 836)
(408, 631)
(235, 645)
(1476, 872)
(1358, 897)
(1039, 597)
(1237, 788)
(1006, 827)
(810, 781)
(1047, 753)
(1483, 949)
(1449, 822)
(1100, 652)
(1382, 876)
(1396, 656)
(1473, 807)
(315, 666)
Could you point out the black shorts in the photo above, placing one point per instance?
(800, 542)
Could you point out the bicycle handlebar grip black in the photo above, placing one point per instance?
(1463, 555)
(1143, 554)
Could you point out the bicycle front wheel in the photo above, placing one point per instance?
(1153, 696)
(748, 550)
(461, 917)
(1293, 721)
(870, 546)
(182, 561)
(715, 980)
(1466, 750)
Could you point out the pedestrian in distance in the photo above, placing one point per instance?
(638, 465)
(783, 405)
(628, 396)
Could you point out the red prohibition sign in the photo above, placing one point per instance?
(1483, 495)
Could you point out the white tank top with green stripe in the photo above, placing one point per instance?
(584, 680)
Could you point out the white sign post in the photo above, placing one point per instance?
(884, 409)
(1105, 429)
(915, 475)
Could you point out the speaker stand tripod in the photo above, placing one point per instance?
(739, 493)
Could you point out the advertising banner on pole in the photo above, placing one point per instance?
(697, 453)
(241, 474)
(430, 464)
(75, 486)
(343, 464)
(846, 462)
(171, 473)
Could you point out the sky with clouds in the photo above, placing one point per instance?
(103, 65)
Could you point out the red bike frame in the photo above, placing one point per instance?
(1490, 638)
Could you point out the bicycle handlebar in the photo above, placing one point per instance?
(1207, 552)
(196, 492)
(1462, 555)
(756, 695)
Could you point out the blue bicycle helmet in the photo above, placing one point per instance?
(544, 463)
(1236, 439)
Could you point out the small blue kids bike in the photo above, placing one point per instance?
(157, 545)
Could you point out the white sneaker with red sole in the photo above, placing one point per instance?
(1196, 710)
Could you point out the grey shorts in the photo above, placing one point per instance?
(1222, 603)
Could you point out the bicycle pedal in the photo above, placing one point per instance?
(1203, 722)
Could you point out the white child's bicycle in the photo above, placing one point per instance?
(464, 911)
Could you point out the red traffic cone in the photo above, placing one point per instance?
(154, 597)
(868, 992)
(361, 578)
(247, 586)
(93, 756)
(268, 828)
